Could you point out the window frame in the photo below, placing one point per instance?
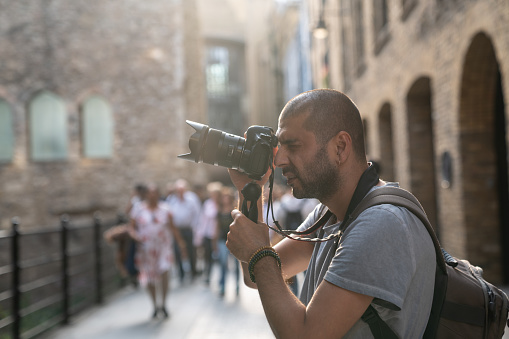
(10, 121)
(64, 134)
(85, 151)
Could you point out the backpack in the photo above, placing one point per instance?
(464, 304)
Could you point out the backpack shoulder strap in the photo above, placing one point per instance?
(403, 198)
(400, 197)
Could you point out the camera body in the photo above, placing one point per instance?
(252, 155)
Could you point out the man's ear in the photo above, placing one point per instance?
(342, 145)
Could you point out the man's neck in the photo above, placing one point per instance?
(339, 202)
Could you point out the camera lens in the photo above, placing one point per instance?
(252, 155)
(214, 147)
(223, 149)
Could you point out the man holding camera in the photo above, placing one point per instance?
(385, 258)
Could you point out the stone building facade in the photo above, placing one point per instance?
(429, 76)
(431, 79)
(141, 60)
(223, 25)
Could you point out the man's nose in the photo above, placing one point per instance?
(279, 160)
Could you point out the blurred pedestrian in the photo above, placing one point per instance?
(290, 215)
(201, 192)
(185, 207)
(207, 231)
(120, 236)
(152, 227)
(224, 219)
(139, 195)
(126, 246)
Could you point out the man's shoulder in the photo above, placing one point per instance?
(390, 218)
(386, 220)
(390, 211)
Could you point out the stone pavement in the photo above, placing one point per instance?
(196, 312)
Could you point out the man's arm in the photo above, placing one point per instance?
(294, 255)
(330, 314)
(332, 310)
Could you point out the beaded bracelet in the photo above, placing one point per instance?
(261, 253)
(259, 250)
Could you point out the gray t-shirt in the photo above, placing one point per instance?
(385, 253)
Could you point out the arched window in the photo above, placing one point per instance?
(48, 128)
(97, 132)
(6, 133)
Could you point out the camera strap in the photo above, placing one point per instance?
(251, 193)
(368, 179)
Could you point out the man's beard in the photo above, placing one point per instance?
(319, 180)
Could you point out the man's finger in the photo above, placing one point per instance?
(236, 213)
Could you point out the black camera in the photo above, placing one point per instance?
(252, 155)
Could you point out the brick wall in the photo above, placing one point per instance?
(431, 39)
(143, 57)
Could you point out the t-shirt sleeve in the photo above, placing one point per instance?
(375, 257)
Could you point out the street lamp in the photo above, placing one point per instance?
(320, 31)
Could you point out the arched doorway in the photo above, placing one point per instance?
(484, 160)
(422, 159)
(386, 145)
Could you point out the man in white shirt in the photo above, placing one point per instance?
(185, 207)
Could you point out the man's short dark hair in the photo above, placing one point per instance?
(329, 112)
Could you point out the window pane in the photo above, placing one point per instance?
(97, 129)
(48, 128)
(6, 133)
(217, 71)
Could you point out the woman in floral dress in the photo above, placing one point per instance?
(152, 227)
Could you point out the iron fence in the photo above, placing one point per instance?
(49, 275)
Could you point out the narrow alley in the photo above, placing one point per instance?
(196, 312)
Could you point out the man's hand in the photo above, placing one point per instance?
(245, 237)
(240, 179)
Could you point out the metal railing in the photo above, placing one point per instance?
(51, 274)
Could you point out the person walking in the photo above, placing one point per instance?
(207, 230)
(224, 219)
(126, 246)
(186, 208)
(152, 227)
